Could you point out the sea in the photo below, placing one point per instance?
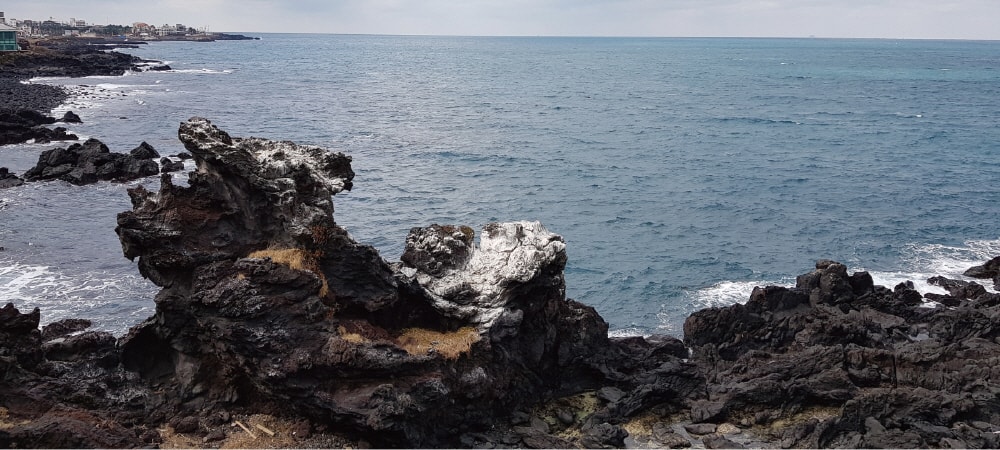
(682, 172)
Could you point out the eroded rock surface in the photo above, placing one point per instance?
(268, 302)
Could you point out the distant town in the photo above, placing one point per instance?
(28, 28)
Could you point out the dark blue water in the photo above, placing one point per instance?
(682, 172)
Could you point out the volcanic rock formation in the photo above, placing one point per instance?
(266, 301)
(268, 307)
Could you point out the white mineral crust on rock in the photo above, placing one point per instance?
(508, 254)
(276, 160)
(277, 168)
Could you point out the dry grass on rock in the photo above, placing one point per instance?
(297, 259)
(450, 344)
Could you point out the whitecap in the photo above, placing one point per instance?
(111, 303)
(200, 71)
(727, 293)
(627, 332)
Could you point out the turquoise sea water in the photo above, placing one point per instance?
(681, 172)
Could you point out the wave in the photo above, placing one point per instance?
(112, 303)
(628, 332)
(201, 71)
(726, 293)
(52, 80)
(917, 263)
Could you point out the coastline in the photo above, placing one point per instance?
(810, 365)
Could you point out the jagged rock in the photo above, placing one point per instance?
(88, 163)
(144, 151)
(9, 179)
(251, 243)
(858, 349)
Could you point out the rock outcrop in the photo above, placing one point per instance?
(88, 163)
(269, 309)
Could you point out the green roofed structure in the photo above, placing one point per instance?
(8, 38)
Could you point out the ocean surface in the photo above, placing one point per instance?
(681, 172)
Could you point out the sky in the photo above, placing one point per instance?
(909, 19)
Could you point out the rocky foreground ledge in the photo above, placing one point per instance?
(274, 328)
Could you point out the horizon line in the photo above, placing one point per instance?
(612, 36)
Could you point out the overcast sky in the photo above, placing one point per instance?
(943, 19)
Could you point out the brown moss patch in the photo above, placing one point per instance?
(449, 344)
(6, 422)
(353, 338)
(297, 259)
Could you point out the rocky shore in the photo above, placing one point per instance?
(24, 107)
(274, 328)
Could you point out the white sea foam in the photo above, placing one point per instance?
(112, 304)
(918, 263)
(727, 293)
(201, 71)
(628, 332)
